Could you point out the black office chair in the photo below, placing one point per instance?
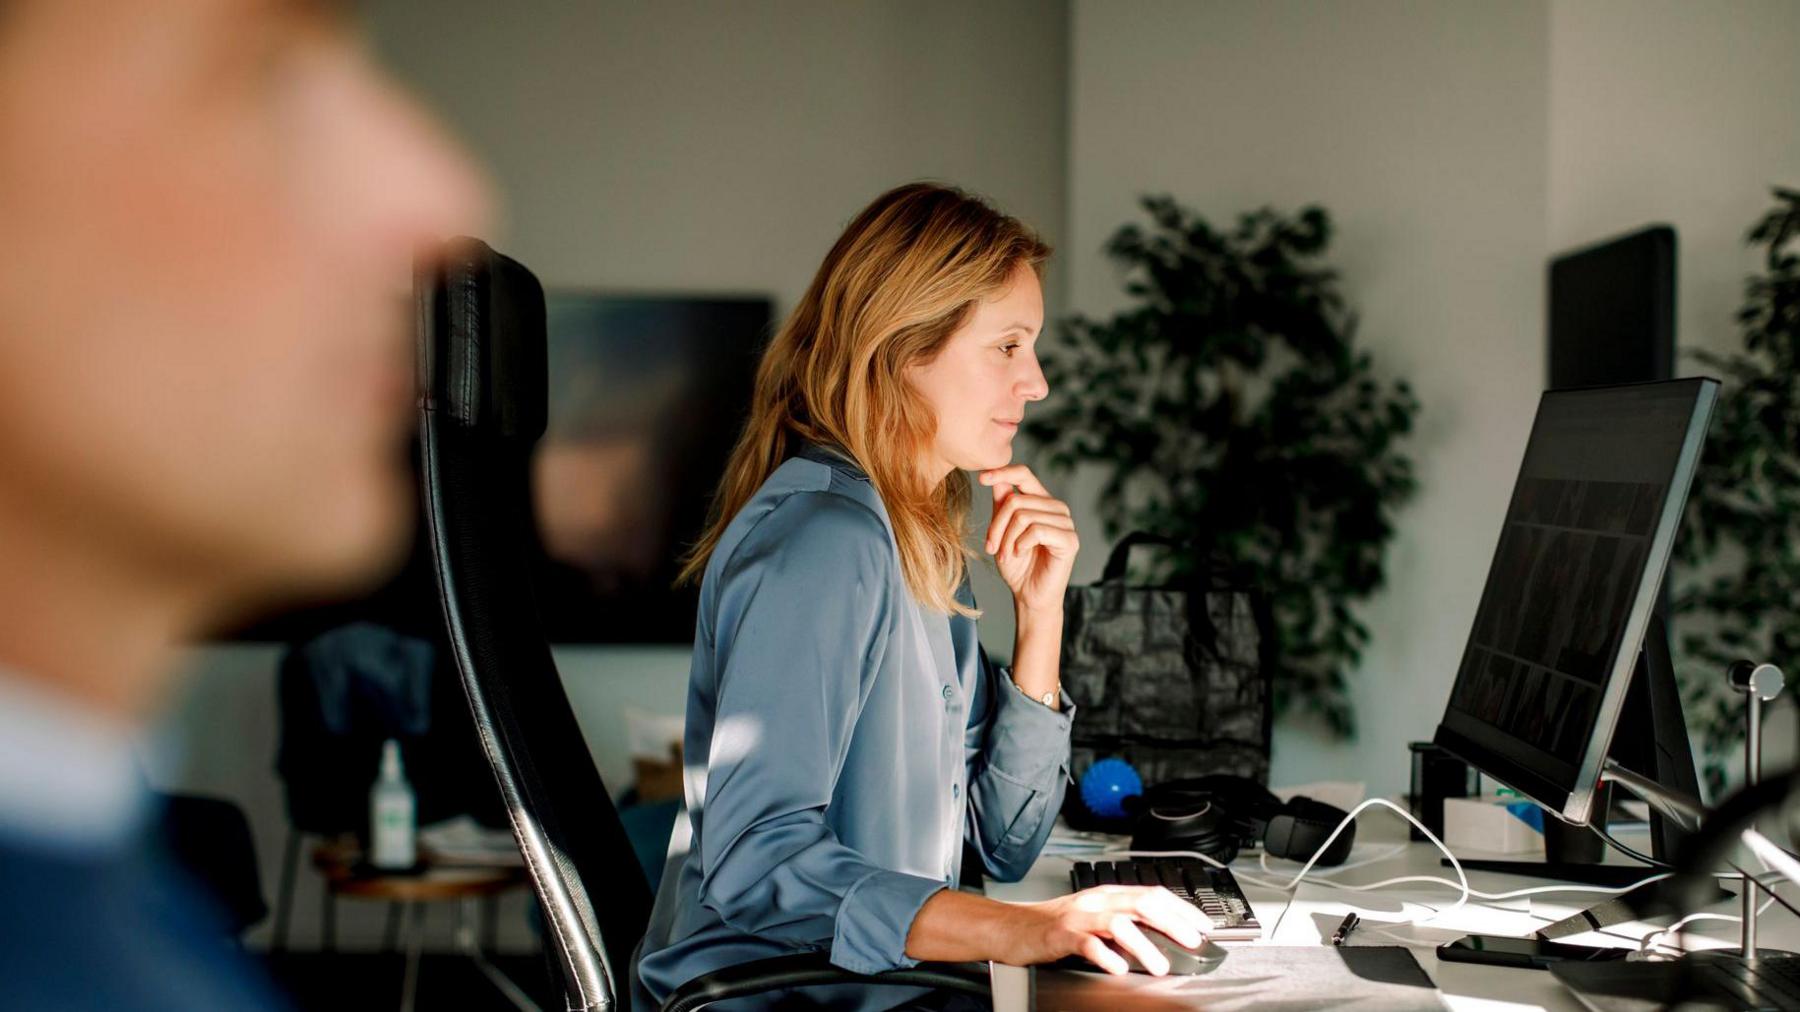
(483, 365)
(210, 840)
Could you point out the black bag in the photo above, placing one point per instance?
(1174, 679)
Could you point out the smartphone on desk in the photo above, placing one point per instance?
(1534, 953)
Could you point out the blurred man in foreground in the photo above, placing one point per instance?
(210, 207)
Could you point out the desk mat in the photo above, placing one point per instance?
(1285, 978)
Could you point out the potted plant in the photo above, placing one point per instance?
(1737, 565)
(1230, 407)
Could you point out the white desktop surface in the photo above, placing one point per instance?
(1317, 910)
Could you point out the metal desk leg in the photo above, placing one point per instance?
(415, 945)
(466, 944)
(330, 919)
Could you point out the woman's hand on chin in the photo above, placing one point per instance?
(1031, 537)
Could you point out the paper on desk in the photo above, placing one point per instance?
(1077, 842)
(463, 841)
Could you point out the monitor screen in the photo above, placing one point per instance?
(1572, 585)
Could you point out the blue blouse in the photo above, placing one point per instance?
(842, 742)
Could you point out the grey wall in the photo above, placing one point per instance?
(692, 146)
(1422, 127)
(1680, 113)
(1676, 112)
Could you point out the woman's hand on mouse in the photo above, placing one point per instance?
(1031, 537)
(1081, 924)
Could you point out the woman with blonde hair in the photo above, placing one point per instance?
(845, 731)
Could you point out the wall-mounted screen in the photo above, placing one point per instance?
(647, 395)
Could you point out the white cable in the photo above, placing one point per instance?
(1461, 884)
(1513, 894)
(1510, 894)
(1651, 941)
(1293, 884)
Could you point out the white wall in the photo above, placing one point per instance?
(1422, 128)
(682, 147)
(1681, 113)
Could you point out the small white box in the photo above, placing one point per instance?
(1501, 825)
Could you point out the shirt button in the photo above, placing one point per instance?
(956, 790)
(946, 692)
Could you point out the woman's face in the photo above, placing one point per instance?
(978, 384)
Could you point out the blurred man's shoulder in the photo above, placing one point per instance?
(111, 929)
(91, 913)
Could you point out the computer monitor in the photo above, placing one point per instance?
(1571, 592)
(1611, 310)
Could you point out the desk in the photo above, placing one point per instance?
(1316, 911)
(340, 862)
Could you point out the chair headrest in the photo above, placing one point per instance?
(482, 340)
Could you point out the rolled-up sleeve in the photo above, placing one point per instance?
(1018, 771)
(802, 620)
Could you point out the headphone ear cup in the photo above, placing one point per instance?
(1203, 827)
(1297, 830)
(1226, 851)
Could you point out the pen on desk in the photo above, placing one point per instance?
(1344, 929)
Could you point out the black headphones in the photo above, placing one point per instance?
(1221, 814)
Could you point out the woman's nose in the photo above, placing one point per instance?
(1032, 386)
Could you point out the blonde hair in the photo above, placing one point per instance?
(900, 280)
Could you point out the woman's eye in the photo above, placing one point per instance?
(1009, 348)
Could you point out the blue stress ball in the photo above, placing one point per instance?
(1106, 785)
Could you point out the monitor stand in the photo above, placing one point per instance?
(1663, 755)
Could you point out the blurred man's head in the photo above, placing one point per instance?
(209, 211)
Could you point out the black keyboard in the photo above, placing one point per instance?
(1772, 982)
(1213, 890)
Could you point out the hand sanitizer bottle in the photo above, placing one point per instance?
(391, 841)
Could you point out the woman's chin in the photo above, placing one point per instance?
(989, 461)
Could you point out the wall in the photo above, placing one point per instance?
(1666, 111)
(1422, 128)
(671, 147)
(694, 146)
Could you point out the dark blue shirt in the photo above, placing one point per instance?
(114, 929)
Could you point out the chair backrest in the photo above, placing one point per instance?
(482, 360)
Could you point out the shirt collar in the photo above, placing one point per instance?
(68, 778)
(832, 457)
